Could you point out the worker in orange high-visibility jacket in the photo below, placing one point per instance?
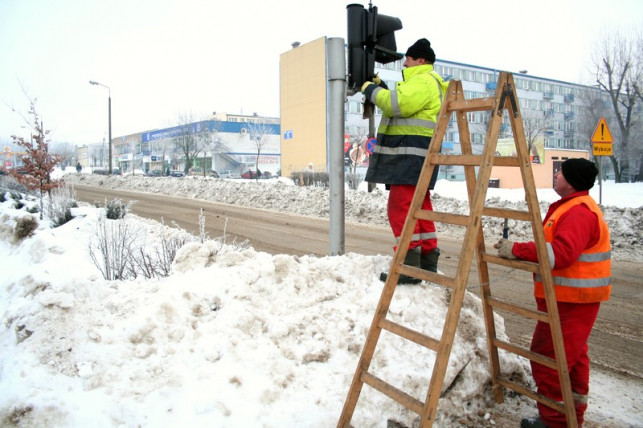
(578, 244)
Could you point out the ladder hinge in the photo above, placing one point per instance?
(508, 92)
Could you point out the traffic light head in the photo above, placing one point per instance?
(371, 38)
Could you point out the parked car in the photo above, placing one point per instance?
(155, 173)
(229, 174)
(176, 173)
(195, 170)
(213, 173)
(104, 171)
(249, 174)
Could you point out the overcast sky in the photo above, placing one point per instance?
(164, 58)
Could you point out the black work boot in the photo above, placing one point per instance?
(532, 423)
(429, 261)
(412, 259)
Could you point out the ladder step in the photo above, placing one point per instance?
(507, 213)
(426, 275)
(409, 334)
(531, 394)
(478, 104)
(442, 217)
(392, 392)
(520, 310)
(526, 353)
(470, 160)
(512, 263)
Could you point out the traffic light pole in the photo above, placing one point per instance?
(336, 96)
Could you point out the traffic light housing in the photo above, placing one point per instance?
(371, 38)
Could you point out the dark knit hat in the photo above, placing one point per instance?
(580, 173)
(422, 49)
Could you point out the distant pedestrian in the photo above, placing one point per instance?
(79, 168)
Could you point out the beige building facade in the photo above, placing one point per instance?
(303, 103)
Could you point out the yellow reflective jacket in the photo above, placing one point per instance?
(409, 114)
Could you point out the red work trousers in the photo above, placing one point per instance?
(399, 202)
(576, 322)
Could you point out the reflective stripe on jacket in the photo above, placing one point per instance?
(409, 113)
(588, 280)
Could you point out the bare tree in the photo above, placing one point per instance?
(66, 151)
(594, 106)
(192, 139)
(211, 142)
(38, 163)
(618, 70)
(535, 125)
(98, 154)
(259, 135)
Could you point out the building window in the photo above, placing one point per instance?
(354, 107)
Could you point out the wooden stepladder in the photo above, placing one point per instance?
(505, 99)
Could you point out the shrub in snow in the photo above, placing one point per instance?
(25, 227)
(60, 204)
(116, 209)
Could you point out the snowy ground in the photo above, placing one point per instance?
(235, 337)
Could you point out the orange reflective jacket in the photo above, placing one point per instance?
(588, 280)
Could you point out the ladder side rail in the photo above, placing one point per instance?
(398, 259)
(489, 320)
(484, 172)
(543, 257)
(368, 351)
(464, 267)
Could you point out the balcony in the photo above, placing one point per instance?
(569, 98)
(569, 115)
(491, 86)
(569, 134)
(548, 95)
(548, 113)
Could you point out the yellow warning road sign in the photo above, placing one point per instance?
(602, 133)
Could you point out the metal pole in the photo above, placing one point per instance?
(109, 128)
(600, 180)
(336, 97)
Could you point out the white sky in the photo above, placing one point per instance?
(162, 58)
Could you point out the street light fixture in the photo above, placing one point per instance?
(109, 121)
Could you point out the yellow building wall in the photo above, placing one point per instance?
(302, 73)
(543, 173)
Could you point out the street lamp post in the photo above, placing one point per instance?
(109, 122)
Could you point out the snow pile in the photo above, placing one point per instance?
(233, 337)
(625, 217)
